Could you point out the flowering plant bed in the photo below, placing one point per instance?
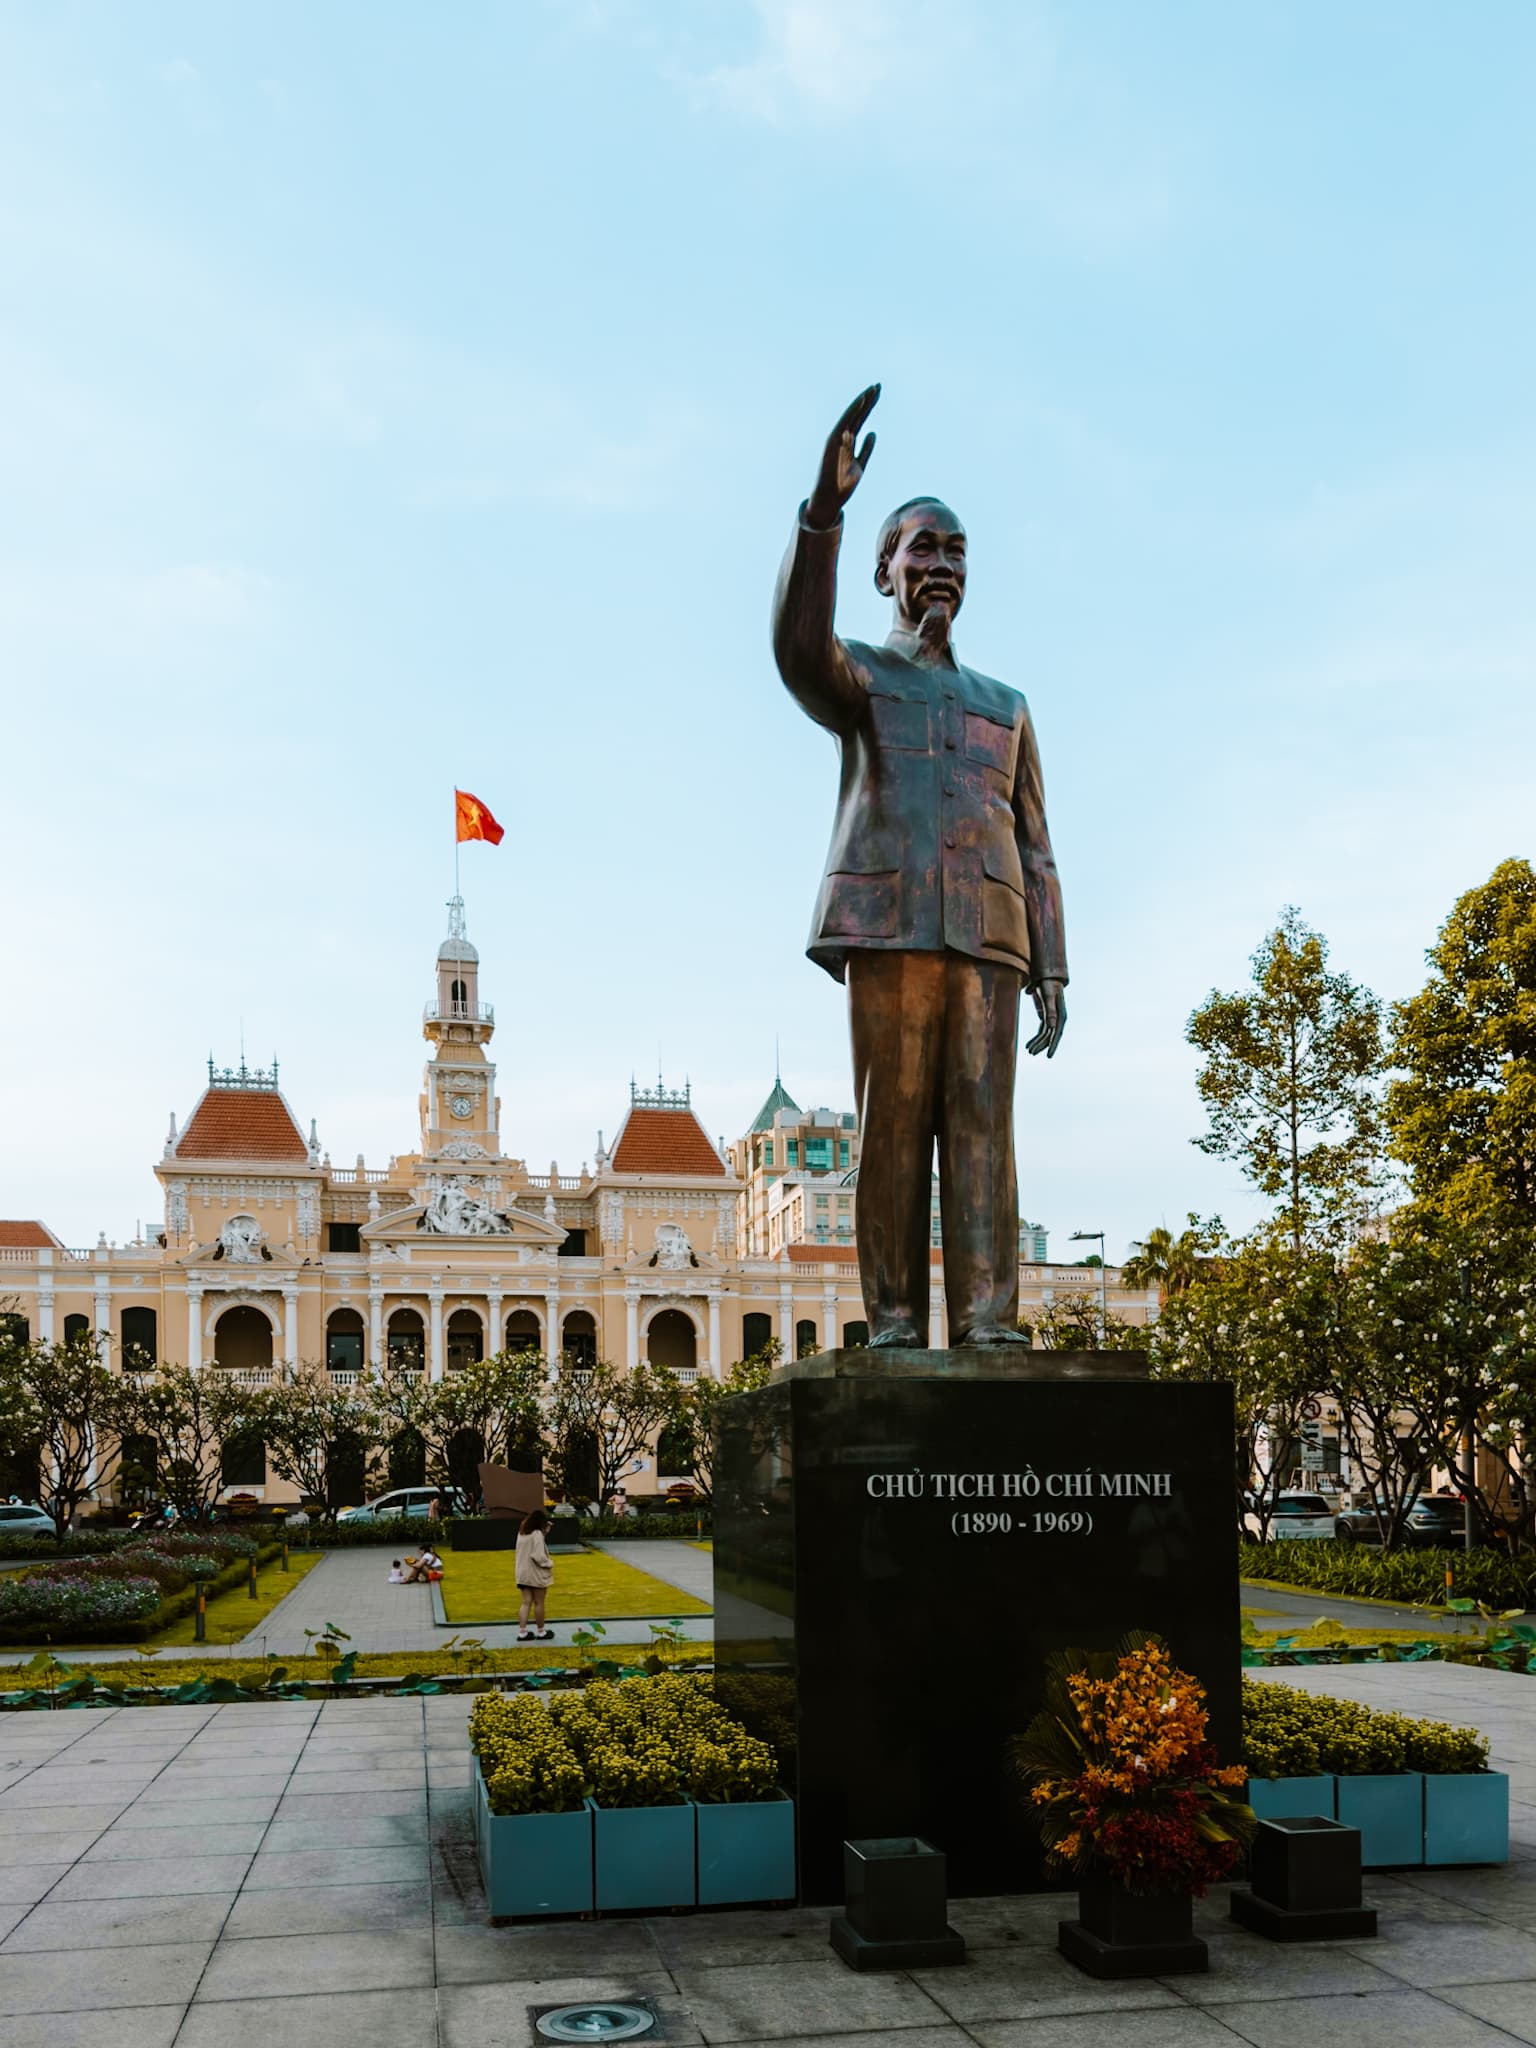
(123, 1596)
(1124, 1783)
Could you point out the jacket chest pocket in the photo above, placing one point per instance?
(900, 722)
(989, 741)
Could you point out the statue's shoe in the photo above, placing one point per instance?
(990, 1333)
(900, 1334)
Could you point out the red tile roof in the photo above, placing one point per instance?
(242, 1123)
(26, 1236)
(664, 1141)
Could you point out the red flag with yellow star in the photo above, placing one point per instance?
(472, 819)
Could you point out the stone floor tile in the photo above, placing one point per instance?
(1461, 1953)
(118, 1923)
(1245, 1965)
(43, 1790)
(67, 1981)
(1006, 1923)
(363, 1831)
(288, 1965)
(330, 1909)
(763, 2003)
(709, 1941)
(42, 1820)
(346, 1805)
(349, 1785)
(197, 1813)
(11, 1917)
(1164, 2028)
(325, 2019)
(61, 1846)
(123, 1844)
(1381, 2019)
(23, 1884)
(563, 1948)
(1510, 2006)
(281, 1869)
(151, 1878)
(1006, 1984)
(135, 2026)
(472, 2015)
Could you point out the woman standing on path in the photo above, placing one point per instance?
(535, 1575)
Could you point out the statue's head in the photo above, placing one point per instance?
(920, 561)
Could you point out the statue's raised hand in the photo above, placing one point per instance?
(841, 467)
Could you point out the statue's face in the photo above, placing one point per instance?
(926, 568)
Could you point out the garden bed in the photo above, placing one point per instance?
(127, 1596)
(1415, 1578)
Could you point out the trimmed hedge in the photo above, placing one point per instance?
(122, 1625)
(1288, 1733)
(1415, 1576)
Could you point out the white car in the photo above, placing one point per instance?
(404, 1500)
(1296, 1517)
(25, 1518)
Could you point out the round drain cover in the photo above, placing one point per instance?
(597, 2023)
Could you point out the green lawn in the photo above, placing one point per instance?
(479, 1586)
(234, 1614)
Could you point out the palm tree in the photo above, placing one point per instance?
(1169, 1263)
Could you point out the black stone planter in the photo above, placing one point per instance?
(1130, 1934)
(897, 1907)
(1306, 1882)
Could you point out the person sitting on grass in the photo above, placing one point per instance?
(535, 1575)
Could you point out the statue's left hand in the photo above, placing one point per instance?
(1051, 1008)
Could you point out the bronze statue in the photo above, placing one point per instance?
(939, 905)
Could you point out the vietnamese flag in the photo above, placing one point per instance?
(472, 820)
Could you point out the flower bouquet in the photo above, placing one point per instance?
(1131, 1799)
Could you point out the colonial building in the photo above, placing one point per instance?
(662, 1247)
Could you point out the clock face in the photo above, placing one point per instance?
(462, 1105)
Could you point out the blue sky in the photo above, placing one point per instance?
(400, 396)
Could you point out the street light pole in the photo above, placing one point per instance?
(1088, 1237)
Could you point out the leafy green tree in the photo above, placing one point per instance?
(1289, 1082)
(191, 1416)
(312, 1427)
(609, 1416)
(1462, 1114)
(62, 1402)
(703, 1398)
(1169, 1263)
(1071, 1323)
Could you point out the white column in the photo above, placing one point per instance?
(713, 1361)
(787, 1318)
(376, 1327)
(552, 1321)
(45, 1322)
(436, 1360)
(103, 1316)
(290, 1326)
(194, 1325)
(631, 1329)
(496, 1335)
(829, 1316)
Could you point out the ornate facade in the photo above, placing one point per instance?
(269, 1252)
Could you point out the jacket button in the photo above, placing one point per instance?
(950, 744)
(949, 840)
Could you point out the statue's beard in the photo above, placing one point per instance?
(936, 621)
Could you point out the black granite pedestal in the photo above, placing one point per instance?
(901, 1536)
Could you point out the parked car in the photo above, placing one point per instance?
(1294, 1517)
(25, 1518)
(403, 1500)
(1432, 1521)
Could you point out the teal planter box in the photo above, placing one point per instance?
(746, 1852)
(1389, 1812)
(643, 1856)
(1292, 1798)
(1466, 1818)
(533, 1864)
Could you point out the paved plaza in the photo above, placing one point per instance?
(304, 1875)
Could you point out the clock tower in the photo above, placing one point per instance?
(459, 1109)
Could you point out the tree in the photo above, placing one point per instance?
(608, 1416)
(312, 1428)
(62, 1402)
(191, 1416)
(703, 1398)
(1071, 1323)
(1169, 1263)
(1289, 1082)
(1268, 1324)
(1462, 1115)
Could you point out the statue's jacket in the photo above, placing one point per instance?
(940, 839)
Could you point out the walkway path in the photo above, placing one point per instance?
(1295, 1609)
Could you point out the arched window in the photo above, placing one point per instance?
(346, 1472)
(140, 1336)
(407, 1459)
(406, 1340)
(466, 1339)
(578, 1340)
(672, 1341)
(458, 997)
(807, 1343)
(756, 1334)
(77, 1329)
(244, 1460)
(242, 1340)
(344, 1342)
(522, 1330)
(466, 1454)
(855, 1336)
(137, 1469)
